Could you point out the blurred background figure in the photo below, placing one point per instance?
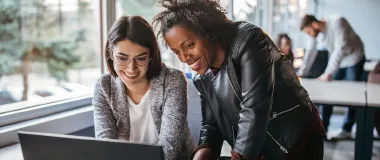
(284, 43)
(346, 59)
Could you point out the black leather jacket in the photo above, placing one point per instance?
(255, 102)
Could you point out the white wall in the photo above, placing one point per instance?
(364, 17)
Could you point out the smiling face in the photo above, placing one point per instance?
(131, 62)
(192, 49)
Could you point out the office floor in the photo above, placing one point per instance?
(342, 150)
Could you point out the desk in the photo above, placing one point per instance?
(341, 93)
(347, 93)
(12, 152)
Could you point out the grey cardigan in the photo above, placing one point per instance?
(168, 101)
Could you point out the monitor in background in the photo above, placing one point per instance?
(43, 146)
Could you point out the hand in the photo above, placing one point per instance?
(204, 154)
(325, 77)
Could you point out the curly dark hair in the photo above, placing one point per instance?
(204, 17)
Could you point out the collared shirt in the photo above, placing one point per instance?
(344, 45)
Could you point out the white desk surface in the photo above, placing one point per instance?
(345, 93)
(12, 152)
(373, 95)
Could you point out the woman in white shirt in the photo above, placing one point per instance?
(140, 99)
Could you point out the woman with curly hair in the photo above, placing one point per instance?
(250, 94)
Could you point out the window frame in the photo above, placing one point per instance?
(24, 117)
(17, 116)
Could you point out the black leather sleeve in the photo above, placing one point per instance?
(257, 84)
(210, 133)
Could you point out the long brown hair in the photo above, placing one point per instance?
(280, 36)
(137, 30)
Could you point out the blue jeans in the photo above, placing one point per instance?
(353, 73)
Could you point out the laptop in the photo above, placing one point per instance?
(44, 146)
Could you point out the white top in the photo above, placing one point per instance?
(143, 129)
(344, 45)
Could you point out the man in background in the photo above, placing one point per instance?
(345, 63)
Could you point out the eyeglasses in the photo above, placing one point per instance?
(124, 61)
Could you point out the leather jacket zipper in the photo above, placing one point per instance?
(275, 114)
(283, 149)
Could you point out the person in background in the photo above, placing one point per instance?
(284, 43)
(140, 99)
(346, 59)
(250, 94)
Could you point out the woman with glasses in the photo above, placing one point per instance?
(140, 99)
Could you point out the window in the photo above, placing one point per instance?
(227, 7)
(248, 10)
(273, 16)
(287, 15)
(49, 51)
(148, 9)
(286, 18)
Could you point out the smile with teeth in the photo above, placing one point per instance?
(195, 64)
(131, 75)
